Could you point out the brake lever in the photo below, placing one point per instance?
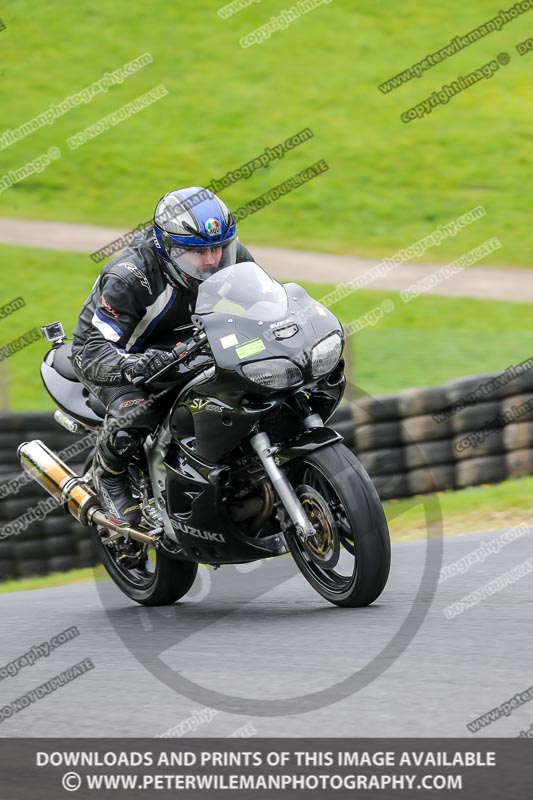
(180, 352)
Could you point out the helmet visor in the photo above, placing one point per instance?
(201, 263)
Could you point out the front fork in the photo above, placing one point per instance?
(261, 444)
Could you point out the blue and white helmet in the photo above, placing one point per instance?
(192, 219)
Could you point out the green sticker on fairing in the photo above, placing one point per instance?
(250, 348)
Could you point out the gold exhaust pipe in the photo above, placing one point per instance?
(71, 491)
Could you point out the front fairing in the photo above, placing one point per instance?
(248, 318)
(260, 320)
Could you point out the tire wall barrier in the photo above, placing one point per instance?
(56, 542)
(467, 432)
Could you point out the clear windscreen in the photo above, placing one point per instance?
(243, 290)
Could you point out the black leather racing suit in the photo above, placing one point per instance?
(130, 309)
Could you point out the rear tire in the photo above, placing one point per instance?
(360, 525)
(158, 583)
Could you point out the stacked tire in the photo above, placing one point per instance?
(55, 543)
(470, 431)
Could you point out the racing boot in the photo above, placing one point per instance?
(112, 480)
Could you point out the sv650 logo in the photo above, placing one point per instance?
(212, 537)
(205, 405)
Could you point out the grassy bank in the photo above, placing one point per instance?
(389, 183)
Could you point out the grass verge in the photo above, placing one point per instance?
(70, 578)
(425, 342)
(487, 507)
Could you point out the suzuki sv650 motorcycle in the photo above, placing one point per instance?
(241, 466)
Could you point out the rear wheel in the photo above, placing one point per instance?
(146, 575)
(142, 572)
(348, 559)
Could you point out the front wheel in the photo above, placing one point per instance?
(348, 560)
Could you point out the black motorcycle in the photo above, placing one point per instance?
(241, 466)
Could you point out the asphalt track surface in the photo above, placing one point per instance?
(266, 635)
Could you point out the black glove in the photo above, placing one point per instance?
(147, 365)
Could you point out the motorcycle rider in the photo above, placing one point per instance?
(142, 297)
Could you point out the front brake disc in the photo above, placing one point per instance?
(324, 547)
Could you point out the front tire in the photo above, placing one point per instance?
(348, 561)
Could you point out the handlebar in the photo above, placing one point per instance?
(180, 353)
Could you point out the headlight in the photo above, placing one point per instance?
(325, 355)
(276, 373)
